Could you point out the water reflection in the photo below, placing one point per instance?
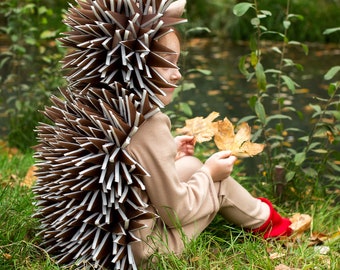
(227, 91)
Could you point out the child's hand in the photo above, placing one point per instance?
(185, 146)
(220, 165)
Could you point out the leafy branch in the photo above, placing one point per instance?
(274, 86)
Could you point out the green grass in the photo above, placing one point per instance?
(18, 242)
(224, 247)
(220, 246)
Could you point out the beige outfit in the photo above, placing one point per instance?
(182, 193)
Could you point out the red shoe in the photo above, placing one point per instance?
(276, 225)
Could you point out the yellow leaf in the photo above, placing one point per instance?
(7, 256)
(239, 144)
(224, 134)
(30, 177)
(204, 129)
(201, 128)
(300, 222)
(284, 267)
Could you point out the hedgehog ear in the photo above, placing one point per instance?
(176, 9)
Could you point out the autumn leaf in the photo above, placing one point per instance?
(284, 267)
(7, 256)
(300, 223)
(201, 128)
(204, 129)
(276, 255)
(318, 238)
(30, 178)
(239, 144)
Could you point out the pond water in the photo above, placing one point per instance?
(226, 89)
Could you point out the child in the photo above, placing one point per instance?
(183, 191)
(111, 179)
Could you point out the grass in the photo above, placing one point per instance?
(224, 247)
(220, 246)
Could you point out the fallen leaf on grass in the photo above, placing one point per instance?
(318, 238)
(7, 256)
(30, 178)
(276, 255)
(284, 267)
(195, 259)
(300, 222)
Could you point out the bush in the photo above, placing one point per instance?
(30, 66)
(313, 166)
(218, 17)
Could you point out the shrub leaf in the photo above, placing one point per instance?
(241, 8)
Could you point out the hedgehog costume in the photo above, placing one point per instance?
(89, 188)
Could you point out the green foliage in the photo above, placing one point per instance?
(316, 17)
(312, 164)
(18, 241)
(30, 66)
(213, 15)
(217, 16)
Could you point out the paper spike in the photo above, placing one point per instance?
(99, 252)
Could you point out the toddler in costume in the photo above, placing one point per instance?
(113, 185)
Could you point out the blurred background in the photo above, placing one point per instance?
(214, 40)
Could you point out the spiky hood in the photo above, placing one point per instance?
(89, 188)
(116, 41)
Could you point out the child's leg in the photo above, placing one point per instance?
(258, 214)
(239, 207)
(186, 166)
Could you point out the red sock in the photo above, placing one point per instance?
(275, 225)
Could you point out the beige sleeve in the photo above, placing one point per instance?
(154, 148)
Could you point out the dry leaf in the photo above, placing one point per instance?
(276, 255)
(30, 177)
(284, 267)
(239, 144)
(300, 222)
(318, 238)
(201, 128)
(7, 256)
(323, 250)
(204, 129)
